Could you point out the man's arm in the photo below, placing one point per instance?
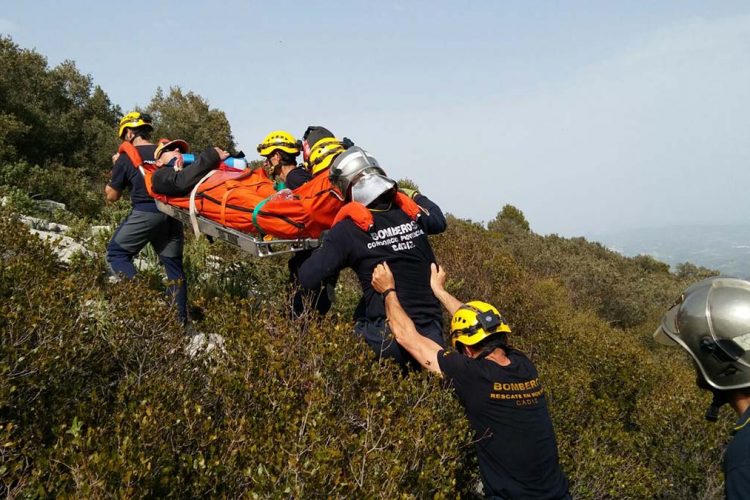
(111, 194)
(325, 261)
(296, 177)
(421, 348)
(433, 221)
(117, 181)
(437, 282)
(171, 182)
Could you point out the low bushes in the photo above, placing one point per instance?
(627, 414)
(62, 184)
(98, 398)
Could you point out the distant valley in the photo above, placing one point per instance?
(723, 248)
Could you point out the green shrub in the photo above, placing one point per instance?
(62, 184)
(98, 397)
(623, 291)
(628, 418)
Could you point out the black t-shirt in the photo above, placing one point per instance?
(506, 407)
(737, 460)
(125, 175)
(394, 238)
(297, 177)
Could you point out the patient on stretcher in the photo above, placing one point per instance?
(174, 178)
(243, 200)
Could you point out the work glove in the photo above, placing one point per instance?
(411, 193)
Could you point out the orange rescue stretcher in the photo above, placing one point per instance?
(243, 209)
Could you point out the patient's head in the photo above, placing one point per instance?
(170, 152)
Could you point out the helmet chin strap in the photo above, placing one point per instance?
(493, 344)
(719, 399)
(486, 352)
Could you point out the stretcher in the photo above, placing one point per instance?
(253, 244)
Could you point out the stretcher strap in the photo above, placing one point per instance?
(224, 206)
(193, 209)
(256, 211)
(231, 185)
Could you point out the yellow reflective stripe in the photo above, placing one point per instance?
(742, 425)
(327, 150)
(279, 144)
(390, 205)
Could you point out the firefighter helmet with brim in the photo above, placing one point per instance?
(359, 177)
(323, 153)
(711, 321)
(279, 139)
(134, 119)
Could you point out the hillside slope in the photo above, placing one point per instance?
(98, 396)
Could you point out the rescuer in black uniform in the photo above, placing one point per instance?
(319, 148)
(380, 224)
(497, 385)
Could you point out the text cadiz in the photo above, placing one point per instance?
(398, 237)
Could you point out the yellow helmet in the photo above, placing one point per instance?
(323, 153)
(475, 321)
(134, 119)
(278, 139)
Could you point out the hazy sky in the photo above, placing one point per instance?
(588, 116)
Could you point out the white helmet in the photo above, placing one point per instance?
(359, 177)
(711, 320)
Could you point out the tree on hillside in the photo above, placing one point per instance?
(188, 116)
(408, 184)
(509, 215)
(650, 264)
(52, 115)
(691, 272)
(88, 118)
(20, 105)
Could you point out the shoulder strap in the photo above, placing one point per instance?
(132, 153)
(358, 213)
(146, 169)
(362, 217)
(408, 205)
